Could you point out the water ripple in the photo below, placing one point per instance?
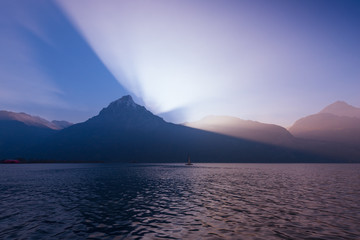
(205, 201)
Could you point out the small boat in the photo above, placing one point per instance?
(188, 160)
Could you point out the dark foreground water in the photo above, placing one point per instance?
(204, 201)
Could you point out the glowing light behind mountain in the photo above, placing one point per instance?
(236, 58)
(170, 53)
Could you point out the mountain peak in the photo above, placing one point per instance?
(125, 101)
(339, 104)
(123, 104)
(343, 109)
(126, 112)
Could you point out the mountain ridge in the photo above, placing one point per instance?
(125, 131)
(342, 109)
(30, 120)
(246, 129)
(126, 112)
(332, 131)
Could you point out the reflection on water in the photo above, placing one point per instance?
(212, 201)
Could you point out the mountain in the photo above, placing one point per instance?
(342, 109)
(334, 131)
(337, 122)
(127, 132)
(245, 129)
(16, 136)
(32, 120)
(328, 127)
(124, 113)
(21, 131)
(61, 124)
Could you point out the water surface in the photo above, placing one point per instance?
(203, 201)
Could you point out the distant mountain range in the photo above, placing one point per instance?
(19, 131)
(338, 122)
(342, 109)
(334, 131)
(127, 132)
(245, 129)
(33, 120)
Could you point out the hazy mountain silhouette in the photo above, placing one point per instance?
(246, 129)
(335, 123)
(33, 120)
(335, 131)
(21, 131)
(16, 136)
(61, 124)
(125, 132)
(342, 109)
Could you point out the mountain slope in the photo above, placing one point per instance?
(328, 127)
(61, 124)
(333, 132)
(16, 137)
(20, 132)
(32, 120)
(125, 132)
(337, 122)
(342, 109)
(246, 129)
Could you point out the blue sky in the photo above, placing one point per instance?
(271, 61)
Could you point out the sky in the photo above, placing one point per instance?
(270, 61)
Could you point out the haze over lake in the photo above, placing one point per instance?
(210, 201)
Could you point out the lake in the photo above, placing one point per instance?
(174, 201)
